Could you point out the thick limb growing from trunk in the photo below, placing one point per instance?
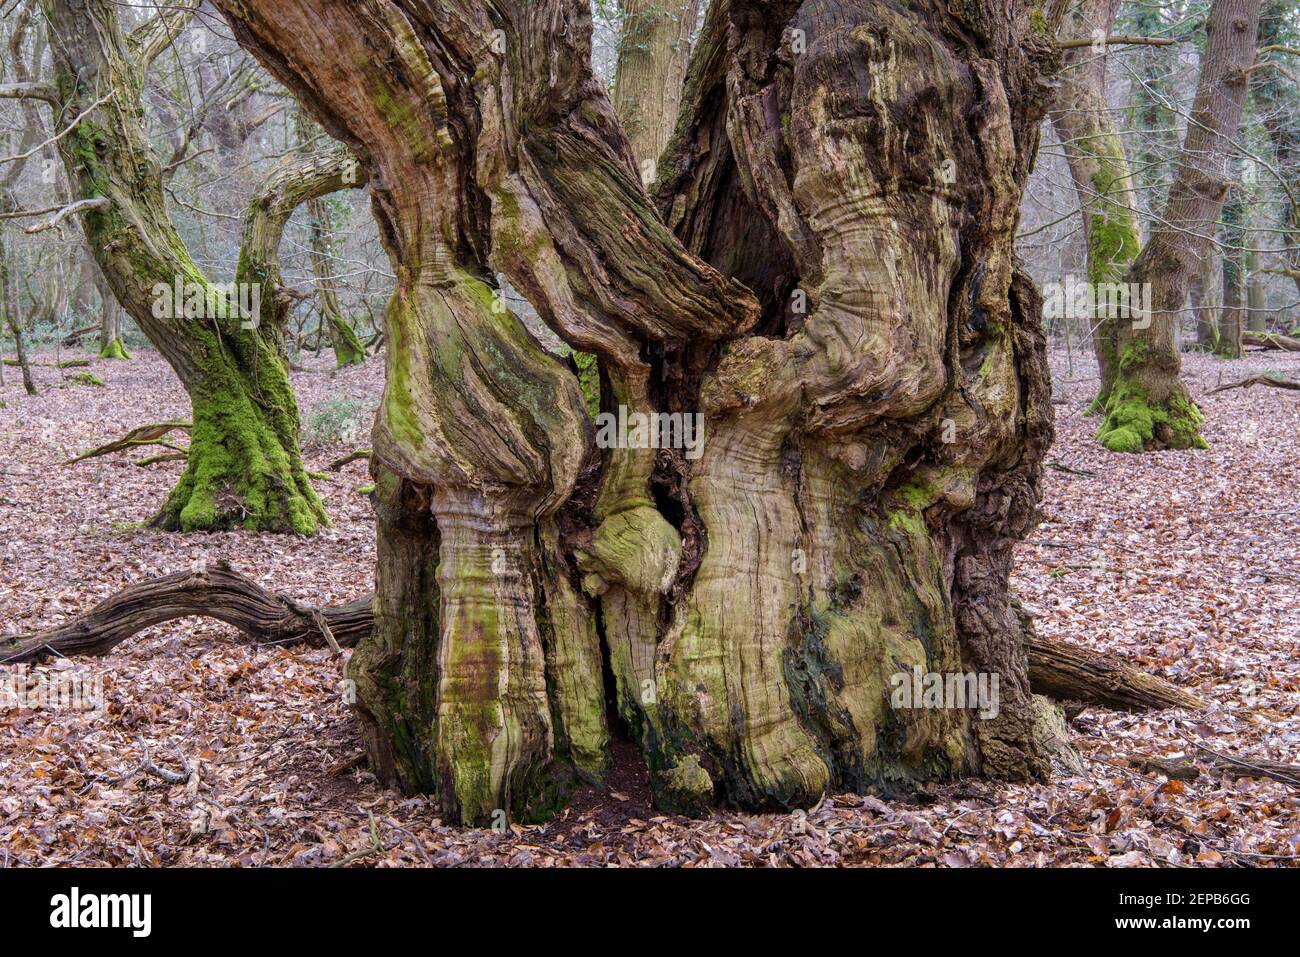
(295, 180)
(245, 469)
(1149, 407)
(825, 280)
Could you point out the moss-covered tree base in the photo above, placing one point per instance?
(113, 349)
(243, 472)
(348, 349)
(1134, 423)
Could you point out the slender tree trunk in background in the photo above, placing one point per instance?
(348, 350)
(654, 51)
(9, 303)
(110, 325)
(1149, 407)
(1100, 171)
(1232, 310)
(1155, 122)
(866, 356)
(1277, 103)
(1256, 298)
(1203, 301)
(245, 468)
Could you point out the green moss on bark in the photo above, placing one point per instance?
(114, 350)
(245, 469)
(1133, 423)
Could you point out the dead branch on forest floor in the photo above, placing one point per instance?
(1275, 381)
(140, 436)
(1059, 670)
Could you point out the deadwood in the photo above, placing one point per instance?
(1056, 669)
(215, 591)
(1072, 673)
(1276, 382)
(1270, 340)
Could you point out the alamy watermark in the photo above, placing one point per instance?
(204, 300)
(51, 690)
(956, 690)
(653, 430)
(1080, 299)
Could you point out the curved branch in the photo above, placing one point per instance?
(152, 37)
(1056, 668)
(217, 591)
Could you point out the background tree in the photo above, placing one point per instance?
(654, 49)
(1149, 406)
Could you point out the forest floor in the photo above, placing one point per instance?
(1187, 564)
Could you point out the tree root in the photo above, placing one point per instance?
(1058, 670)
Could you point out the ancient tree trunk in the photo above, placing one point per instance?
(653, 53)
(245, 468)
(1149, 407)
(831, 372)
(1100, 170)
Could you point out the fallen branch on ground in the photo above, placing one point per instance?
(1275, 381)
(1072, 673)
(1056, 669)
(1270, 340)
(217, 591)
(140, 435)
(1184, 768)
(348, 459)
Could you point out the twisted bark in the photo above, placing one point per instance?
(872, 445)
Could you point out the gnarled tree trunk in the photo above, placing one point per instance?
(826, 278)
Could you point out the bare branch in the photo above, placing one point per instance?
(29, 91)
(154, 36)
(80, 206)
(1117, 41)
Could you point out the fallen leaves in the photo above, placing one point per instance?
(1186, 564)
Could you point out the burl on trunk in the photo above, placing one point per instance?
(824, 278)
